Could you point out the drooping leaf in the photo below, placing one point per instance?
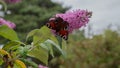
(31, 33)
(19, 64)
(12, 45)
(39, 53)
(30, 63)
(1, 61)
(59, 41)
(55, 48)
(8, 33)
(40, 35)
(3, 52)
(49, 47)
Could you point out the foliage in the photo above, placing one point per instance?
(8, 33)
(102, 51)
(42, 49)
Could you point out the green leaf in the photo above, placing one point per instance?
(30, 63)
(19, 64)
(56, 48)
(12, 45)
(8, 33)
(1, 61)
(39, 53)
(48, 47)
(31, 33)
(40, 35)
(24, 50)
(59, 41)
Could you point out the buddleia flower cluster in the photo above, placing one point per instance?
(7, 23)
(75, 18)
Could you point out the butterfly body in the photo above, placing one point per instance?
(60, 26)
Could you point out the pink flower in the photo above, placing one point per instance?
(8, 23)
(12, 1)
(76, 19)
(41, 66)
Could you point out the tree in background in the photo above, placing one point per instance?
(101, 51)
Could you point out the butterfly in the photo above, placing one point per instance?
(60, 26)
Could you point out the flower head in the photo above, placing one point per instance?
(8, 23)
(76, 19)
(41, 66)
(12, 1)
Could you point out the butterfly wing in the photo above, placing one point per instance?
(51, 24)
(63, 34)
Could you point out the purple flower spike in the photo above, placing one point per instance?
(8, 23)
(76, 19)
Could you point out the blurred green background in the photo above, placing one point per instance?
(100, 51)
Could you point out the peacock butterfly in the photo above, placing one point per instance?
(60, 26)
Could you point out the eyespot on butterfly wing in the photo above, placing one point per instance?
(51, 24)
(63, 34)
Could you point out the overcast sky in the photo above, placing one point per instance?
(104, 11)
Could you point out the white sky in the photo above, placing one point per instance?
(104, 11)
